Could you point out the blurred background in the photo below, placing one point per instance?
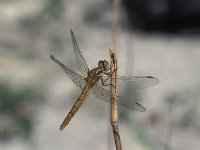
(157, 38)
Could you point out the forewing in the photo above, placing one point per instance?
(105, 95)
(133, 83)
(76, 78)
(80, 60)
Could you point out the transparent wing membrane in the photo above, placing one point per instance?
(133, 83)
(76, 78)
(105, 95)
(98, 91)
(80, 60)
(127, 85)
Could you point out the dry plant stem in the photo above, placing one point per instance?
(113, 66)
(114, 109)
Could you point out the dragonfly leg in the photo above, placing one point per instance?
(110, 73)
(109, 76)
(104, 82)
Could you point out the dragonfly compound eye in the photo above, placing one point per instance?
(101, 64)
(106, 65)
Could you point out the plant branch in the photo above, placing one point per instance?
(114, 108)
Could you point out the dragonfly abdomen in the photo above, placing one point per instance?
(76, 106)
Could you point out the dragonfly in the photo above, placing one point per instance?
(97, 80)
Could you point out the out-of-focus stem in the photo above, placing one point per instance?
(115, 23)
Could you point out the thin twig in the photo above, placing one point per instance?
(114, 109)
(115, 23)
(113, 66)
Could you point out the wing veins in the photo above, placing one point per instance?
(76, 78)
(79, 58)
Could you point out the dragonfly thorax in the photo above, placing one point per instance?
(104, 65)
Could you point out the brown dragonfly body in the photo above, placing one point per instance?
(93, 77)
(76, 106)
(89, 81)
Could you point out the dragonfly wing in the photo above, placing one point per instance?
(105, 95)
(76, 78)
(80, 60)
(133, 83)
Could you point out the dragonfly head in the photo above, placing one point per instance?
(103, 64)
